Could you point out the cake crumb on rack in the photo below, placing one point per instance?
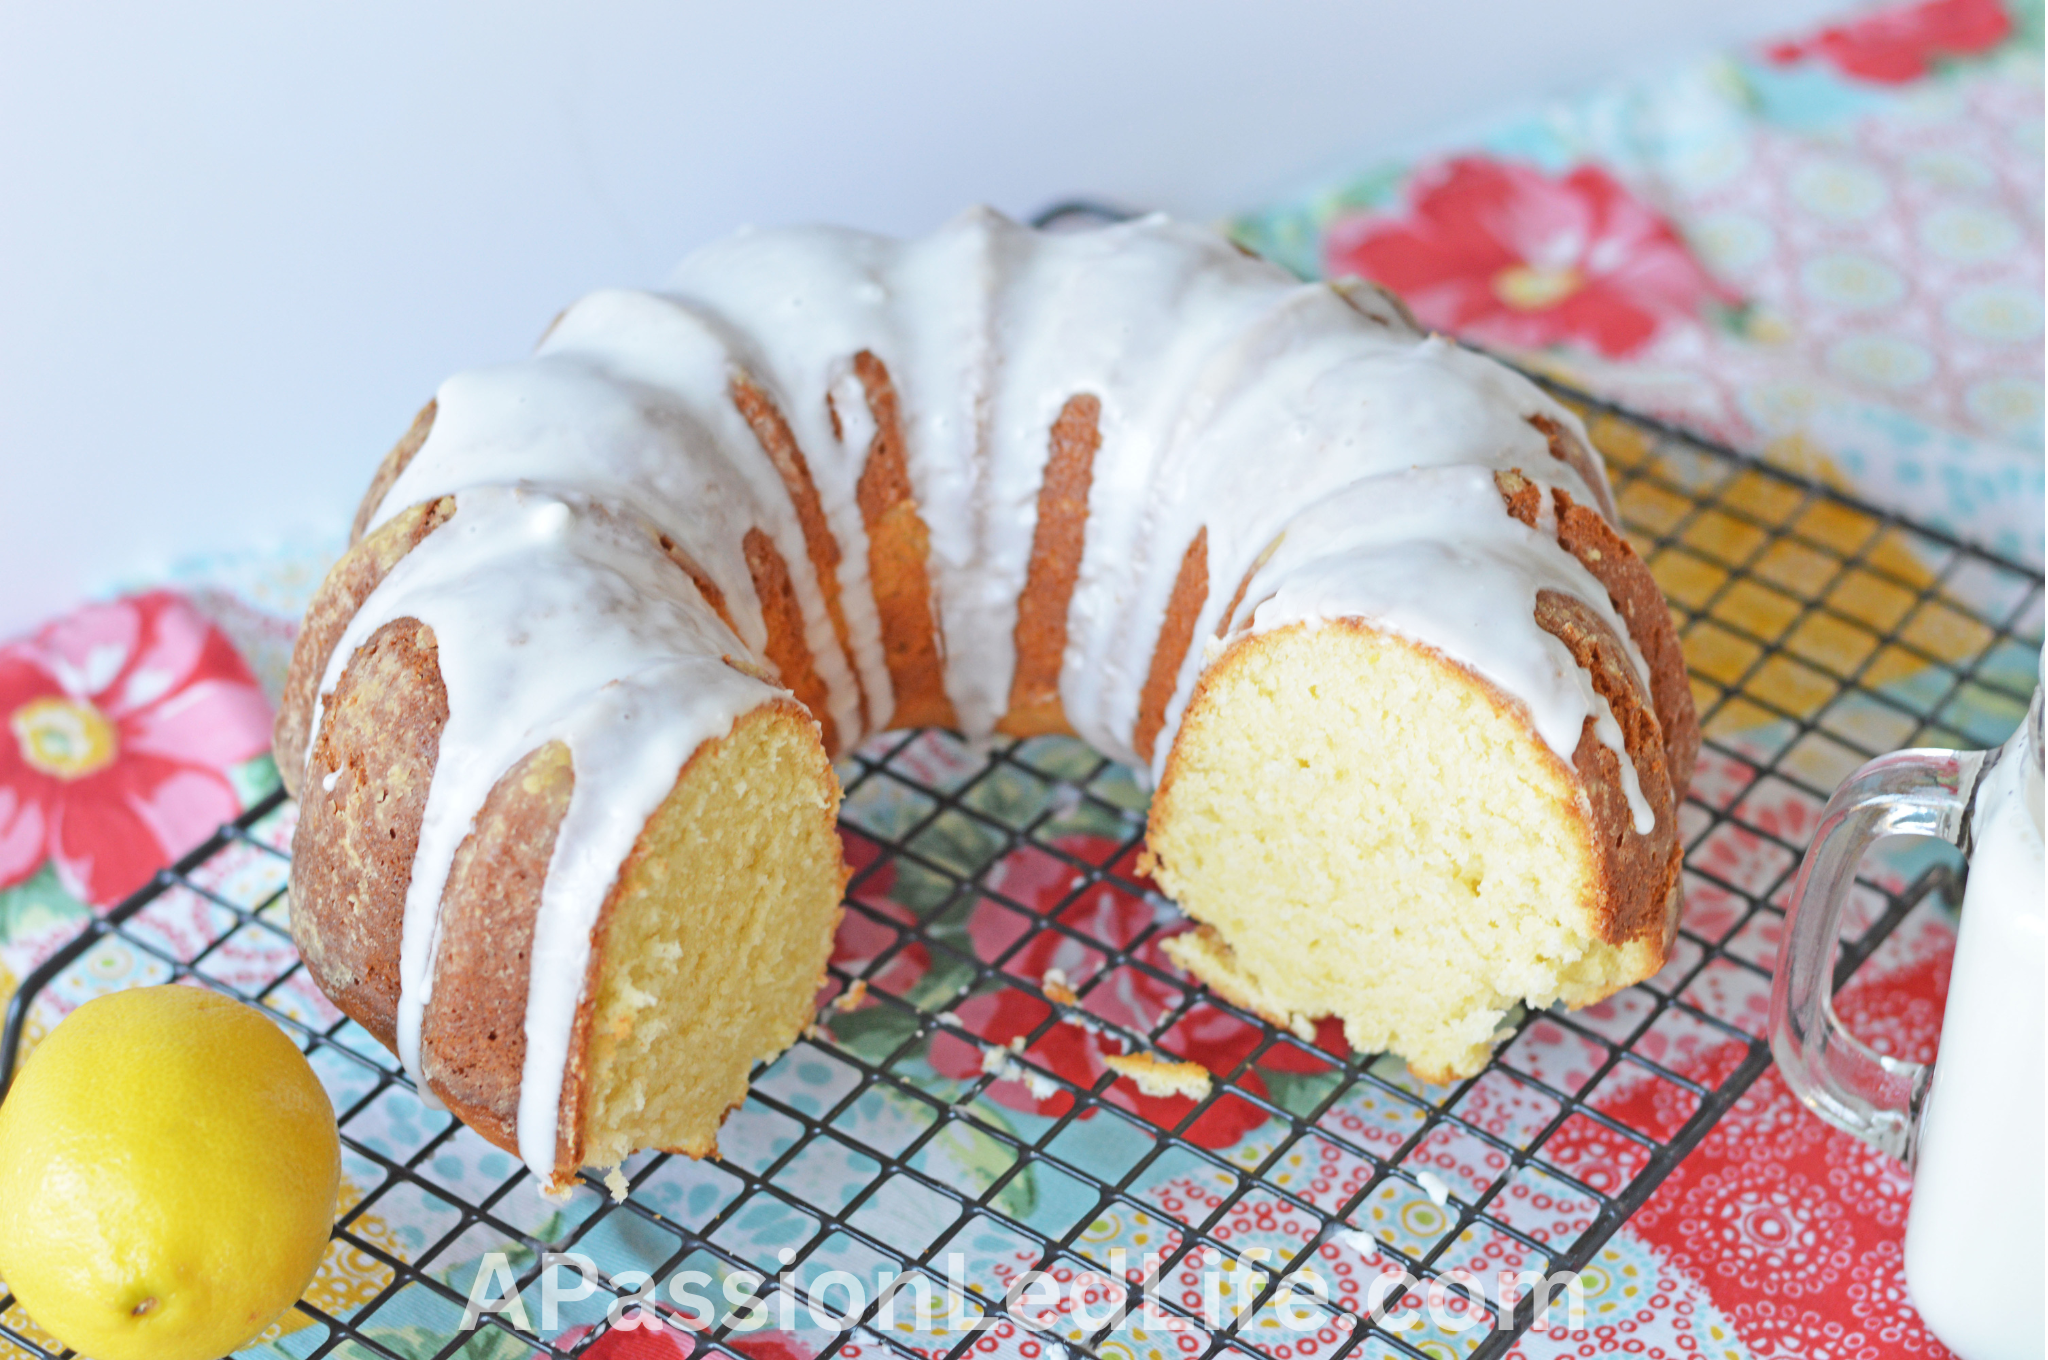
(1000, 1062)
(1160, 1077)
(1057, 989)
(851, 998)
(996, 1057)
(615, 1181)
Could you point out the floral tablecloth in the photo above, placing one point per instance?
(1827, 249)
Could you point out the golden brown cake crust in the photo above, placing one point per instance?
(359, 820)
(700, 578)
(899, 548)
(1055, 569)
(1244, 584)
(473, 1034)
(785, 622)
(772, 432)
(1633, 591)
(1522, 497)
(1636, 870)
(1568, 449)
(1176, 635)
(361, 569)
(394, 463)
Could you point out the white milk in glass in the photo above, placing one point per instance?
(1974, 1240)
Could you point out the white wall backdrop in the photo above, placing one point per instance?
(240, 242)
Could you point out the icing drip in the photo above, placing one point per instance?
(1209, 371)
(1608, 732)
(1430, 554)
(628, 402)
(553, 620)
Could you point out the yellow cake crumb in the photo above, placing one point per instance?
(1161, 1077)
(717, 941)
(1366, 830)
(851, 998)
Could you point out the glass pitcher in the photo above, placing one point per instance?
(1970, 1125)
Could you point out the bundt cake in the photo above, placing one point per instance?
(561, 719)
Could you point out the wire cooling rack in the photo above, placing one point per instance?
(953, 1098)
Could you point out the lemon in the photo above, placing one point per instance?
(168, 1170)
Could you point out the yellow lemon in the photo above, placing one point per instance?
(168, 1169)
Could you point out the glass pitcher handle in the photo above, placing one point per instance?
(1877, 1098)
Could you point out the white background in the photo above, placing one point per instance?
(240, 243)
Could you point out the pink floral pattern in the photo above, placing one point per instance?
(1794, 1226)
(121, 721)
(1903, 43)
(1129, 999)
(1507, 255)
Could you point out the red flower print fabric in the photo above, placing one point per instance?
(1128, 998)
(121, 721)
(1506, 255)
(1902, 44)
(644, 1336)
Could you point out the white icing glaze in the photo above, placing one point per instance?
(1607, 731)
(1429, 554)
(1235, 400)
(554, 620)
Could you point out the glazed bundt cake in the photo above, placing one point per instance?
(561, 720)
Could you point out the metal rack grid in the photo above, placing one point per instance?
(1965, 628)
